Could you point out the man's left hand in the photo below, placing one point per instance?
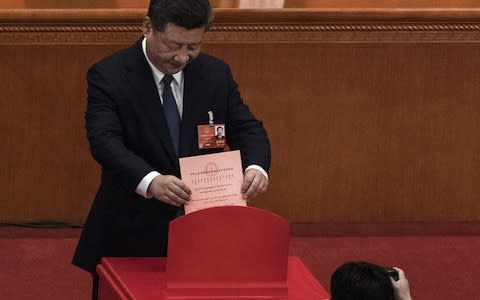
(254, 183)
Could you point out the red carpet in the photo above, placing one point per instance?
(35, 263)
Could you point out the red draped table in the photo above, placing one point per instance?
(218, 253)
(145, 279)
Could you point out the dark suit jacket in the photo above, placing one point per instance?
(129, 137)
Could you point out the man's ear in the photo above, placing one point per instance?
(147, 26)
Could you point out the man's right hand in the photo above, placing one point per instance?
(169, 189)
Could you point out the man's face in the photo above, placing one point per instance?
(171, 50)
(220, 131)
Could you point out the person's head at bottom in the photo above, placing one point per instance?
(367, 281)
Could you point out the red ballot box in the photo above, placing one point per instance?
(217, 253)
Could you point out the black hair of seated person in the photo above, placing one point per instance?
(360, 281)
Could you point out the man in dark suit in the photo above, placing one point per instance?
(132, 137)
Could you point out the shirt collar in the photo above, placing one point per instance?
(157, 74)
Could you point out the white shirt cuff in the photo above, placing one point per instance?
(256, 167)
(142, 187)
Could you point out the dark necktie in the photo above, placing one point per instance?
(171, 111)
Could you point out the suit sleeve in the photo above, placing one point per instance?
(244, 131)
(105, 133)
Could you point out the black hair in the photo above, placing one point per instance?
(189, 14)
(361, 281)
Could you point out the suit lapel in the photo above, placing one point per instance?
(140, 77)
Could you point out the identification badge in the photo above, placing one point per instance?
(211, 136)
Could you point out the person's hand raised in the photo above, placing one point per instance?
(401, 288)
